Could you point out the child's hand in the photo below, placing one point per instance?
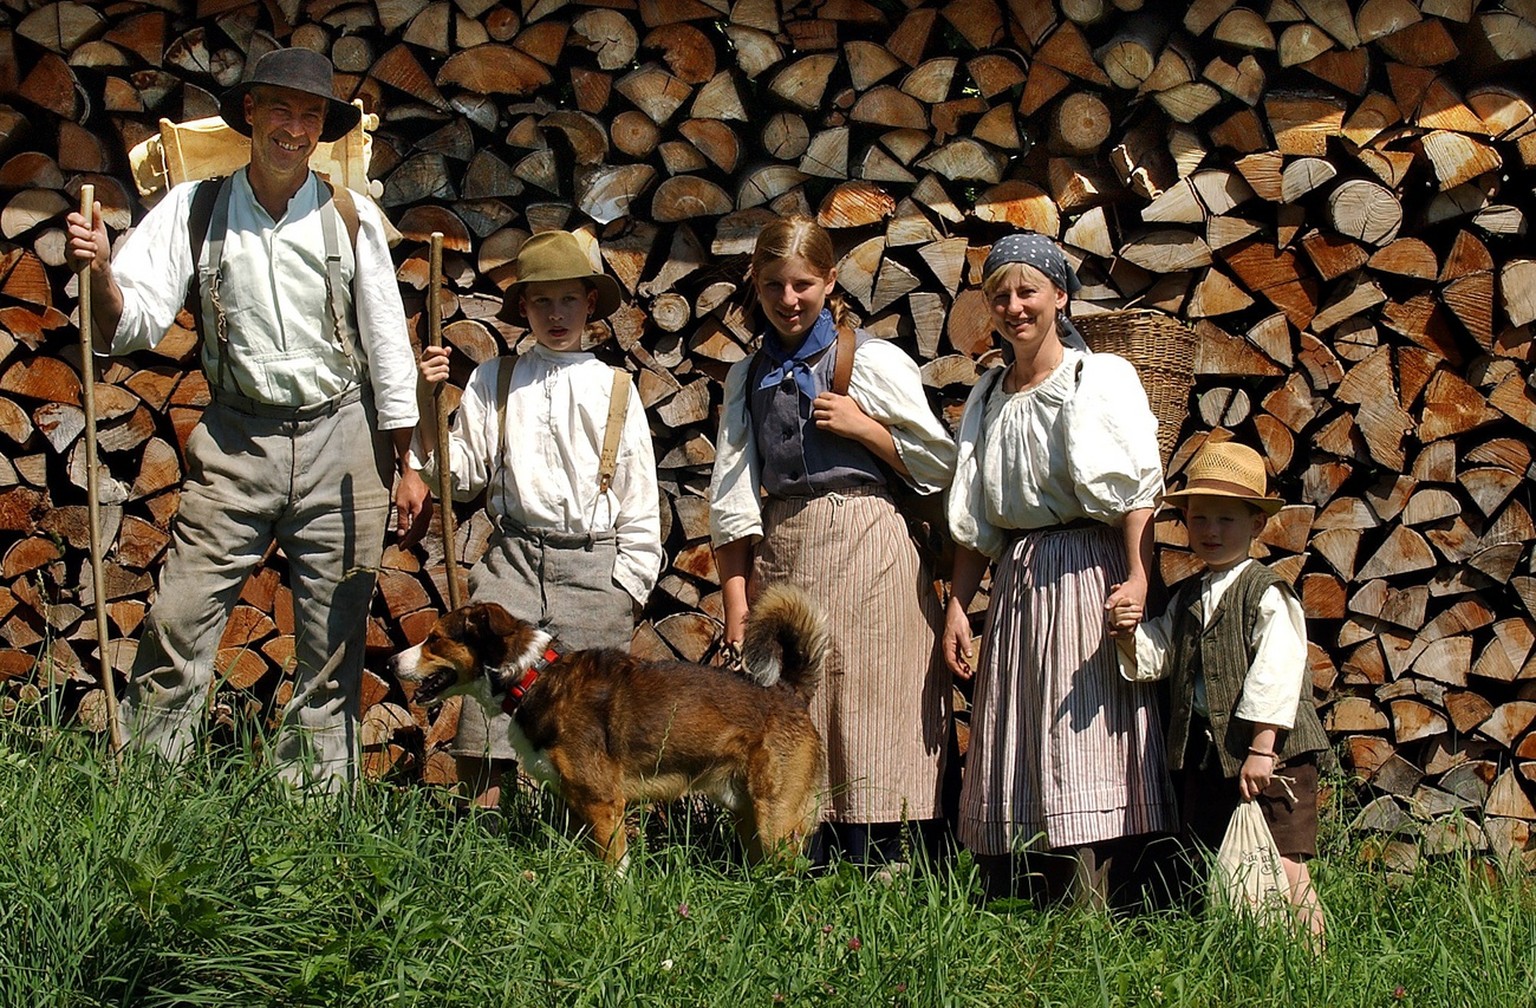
(433, 366)
(1256, 773)
(1124, 611)
(840, 415)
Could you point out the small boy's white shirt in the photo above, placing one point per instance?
(1277, 675)
(556, 416)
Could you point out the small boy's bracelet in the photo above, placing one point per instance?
(1259, 752)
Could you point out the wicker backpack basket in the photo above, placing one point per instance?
(1163, 351)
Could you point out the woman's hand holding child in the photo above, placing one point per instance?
(1124, 609)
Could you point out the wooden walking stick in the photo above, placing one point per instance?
(440, 411)
(92, 479)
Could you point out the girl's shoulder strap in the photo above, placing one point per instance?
(842, 367)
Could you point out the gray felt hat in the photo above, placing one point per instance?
(300, 70)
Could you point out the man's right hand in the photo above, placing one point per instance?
(89, 247)
(89, 244)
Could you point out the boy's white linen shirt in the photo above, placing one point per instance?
(887, 386)
(557, 413)
(1277, 675)
(1069, 448)
(279, 325)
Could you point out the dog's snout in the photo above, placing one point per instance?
(404, 664)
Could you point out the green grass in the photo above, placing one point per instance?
(212, 887)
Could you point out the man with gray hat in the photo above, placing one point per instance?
(311, 377)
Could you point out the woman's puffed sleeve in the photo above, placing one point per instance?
(1111, 435)
(887, 386)
(967, 503)
(734, 509)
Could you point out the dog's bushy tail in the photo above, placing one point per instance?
(786, 639)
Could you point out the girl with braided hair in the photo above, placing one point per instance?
(800, 493)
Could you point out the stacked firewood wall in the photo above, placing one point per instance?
(1332, 192)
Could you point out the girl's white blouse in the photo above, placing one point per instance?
(885, 383)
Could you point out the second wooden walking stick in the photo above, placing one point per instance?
(440, 418)
(92, 478)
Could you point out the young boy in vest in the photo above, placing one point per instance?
(577, 546)
(1234, 646)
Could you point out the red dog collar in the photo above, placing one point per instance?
(519, 689)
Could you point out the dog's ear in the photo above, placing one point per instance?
(498, 621)
(476, 619)
(488, 620)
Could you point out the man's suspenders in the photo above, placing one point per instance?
(208, 223)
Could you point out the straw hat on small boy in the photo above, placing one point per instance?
(552, 256)
(298, 70)
(1226, 469)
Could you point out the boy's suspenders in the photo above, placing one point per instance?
(208, 223)
(618, 406)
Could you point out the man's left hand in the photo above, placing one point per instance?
(413, 508)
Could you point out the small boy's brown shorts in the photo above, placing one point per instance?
(1208, 799)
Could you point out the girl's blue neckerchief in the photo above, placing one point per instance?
(782, 362)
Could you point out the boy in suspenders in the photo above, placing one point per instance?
(560, 445)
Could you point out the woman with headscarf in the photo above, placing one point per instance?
(1056, 480)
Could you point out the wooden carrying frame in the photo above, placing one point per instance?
(205, 148)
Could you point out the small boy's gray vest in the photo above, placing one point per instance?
(1222, 653)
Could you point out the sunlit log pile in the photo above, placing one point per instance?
(1332, 194)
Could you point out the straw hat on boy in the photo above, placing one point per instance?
(1224, 468)
(553, 256)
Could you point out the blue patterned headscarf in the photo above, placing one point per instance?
(1030, 248)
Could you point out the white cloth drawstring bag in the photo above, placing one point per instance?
(1248, 875)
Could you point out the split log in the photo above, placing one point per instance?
(1327, 190)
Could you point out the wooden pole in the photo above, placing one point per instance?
(440, 411)
(92, 480)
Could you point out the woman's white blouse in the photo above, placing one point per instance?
(1081, 444)
(885, 383)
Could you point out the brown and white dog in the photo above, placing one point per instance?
(605, 728)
